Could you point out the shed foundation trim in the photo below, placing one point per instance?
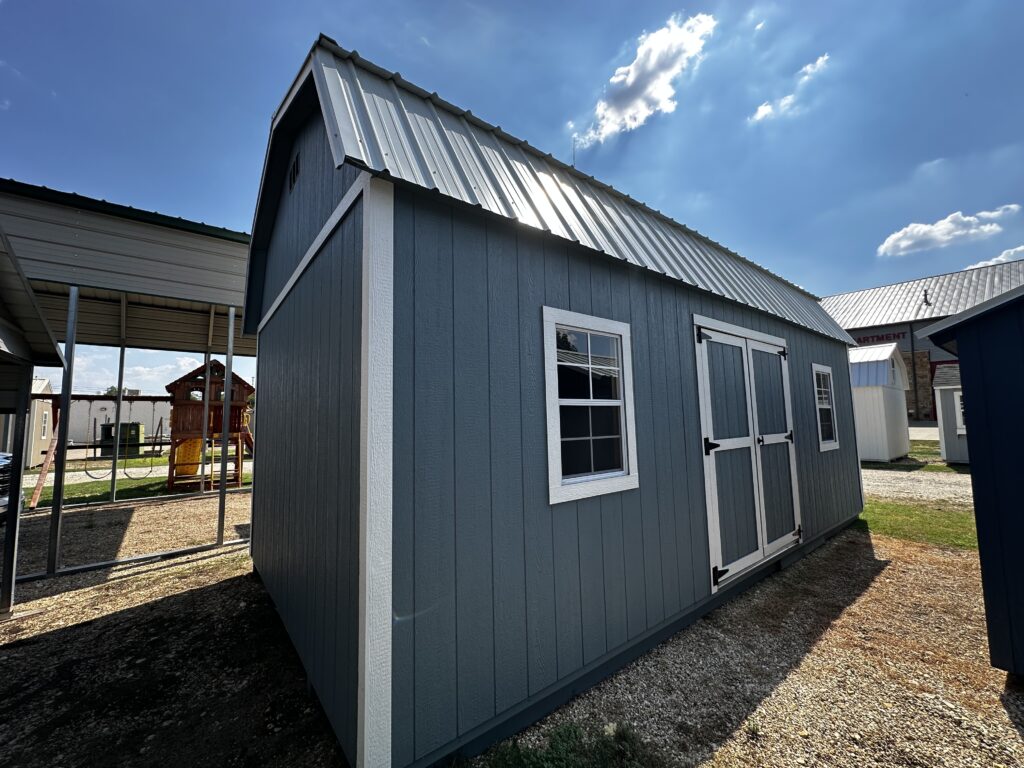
(375, 477)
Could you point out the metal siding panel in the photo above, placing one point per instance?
(474, 588)
(435, 624)
(510, 635)
(403, 640)
(541, 618)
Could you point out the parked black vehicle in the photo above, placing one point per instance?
(5, 479)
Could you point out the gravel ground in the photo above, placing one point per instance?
(918, 486)
(865, 653)
(125, 529)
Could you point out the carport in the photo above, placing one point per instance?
(100, 273)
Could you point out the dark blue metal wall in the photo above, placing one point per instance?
(500, 599)
(991, 350)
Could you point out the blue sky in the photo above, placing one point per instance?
(841, 144)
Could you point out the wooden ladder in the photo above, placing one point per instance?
(48, 461)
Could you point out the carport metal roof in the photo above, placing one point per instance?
(171, 271)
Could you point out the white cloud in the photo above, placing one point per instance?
(1010, 254)
(759, 26)
(646, 85)
(5, 104)
(788, 104)
(154, 377)
(955, 228)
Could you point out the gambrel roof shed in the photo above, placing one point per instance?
(379, 121)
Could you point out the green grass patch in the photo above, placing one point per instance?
(924, 456)
(938, 523)
(99, 490)
(569, 747)
(925, 450)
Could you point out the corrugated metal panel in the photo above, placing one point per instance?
(948, 294)
(82, 247)
(380, 121)
(873, 353)
(878, 366)
(19, 308)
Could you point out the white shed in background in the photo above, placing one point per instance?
(879, 378)
(949, 407)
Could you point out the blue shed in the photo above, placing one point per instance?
(543, 426)
(989, 341)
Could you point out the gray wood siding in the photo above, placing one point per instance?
(304, 208)
(306, 498)
(500, 598)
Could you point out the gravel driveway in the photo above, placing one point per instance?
(869, 652)
(918, 486)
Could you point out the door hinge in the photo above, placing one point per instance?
(799, 532)
(760, 439)
(701, 336)
(717, 574)
(790, 436)
(709, 447)
(784, 353)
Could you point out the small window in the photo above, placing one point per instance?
(588, 376)
(828, 438)
(961, 417)
(44, 424)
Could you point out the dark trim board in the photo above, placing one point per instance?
(546, 702)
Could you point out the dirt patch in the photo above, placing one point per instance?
(114, 531)
(918, 486)
(185, 664)
(865, 653)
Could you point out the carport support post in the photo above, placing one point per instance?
(53, 552)
(206, 406)
(117, 407)
(226, 427)
(13, 512)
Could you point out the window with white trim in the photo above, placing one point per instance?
(44, 424)
(958, 409)
(824, 402)
(589, 394)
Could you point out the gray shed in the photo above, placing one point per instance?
(541, 427)
(949, 407)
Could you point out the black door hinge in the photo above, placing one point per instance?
(760, 439)
(717, 574)
(799, 532)
(709, 447)
(701, 336)
(785, 353)
(790, 436)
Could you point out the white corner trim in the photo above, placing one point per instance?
(373, 741)
(559, 491)
(339, 213)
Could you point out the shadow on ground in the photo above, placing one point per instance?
(692, 692)
(1013, 702)
(204, 677)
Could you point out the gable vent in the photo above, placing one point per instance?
(293, 173)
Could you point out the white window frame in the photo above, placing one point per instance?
(575, 488)
(44, 423)
(958, 411)
(825, 445)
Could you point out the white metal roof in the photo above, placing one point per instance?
(379, 121)
(878, 366)
(948, 294)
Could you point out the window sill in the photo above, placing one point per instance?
(961, 432)
(823, 447)
(585, 489)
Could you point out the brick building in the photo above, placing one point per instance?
(894, 313)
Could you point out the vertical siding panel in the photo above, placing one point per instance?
(436, 674)
(645, 449)
(613, 571)
(403, 501)
(510, 641)
(540, 578)
(474, 595)
(663, 440)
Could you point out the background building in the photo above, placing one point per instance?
(894, 313)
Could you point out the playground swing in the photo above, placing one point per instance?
(124, 456)
(106, 474)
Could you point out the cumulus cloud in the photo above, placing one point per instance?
(1010, 254)
(646, 85)
(789, 104)
(759, 26)
(955, 228)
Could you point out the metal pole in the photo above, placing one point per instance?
(206, 405)
(53, 552)
(226, 426)
(117, 406)
(13, 513)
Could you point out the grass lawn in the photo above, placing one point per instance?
(99, 490)
(938, 523)
(101, 465)
(924, 456)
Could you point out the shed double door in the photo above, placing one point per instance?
(749, 458)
